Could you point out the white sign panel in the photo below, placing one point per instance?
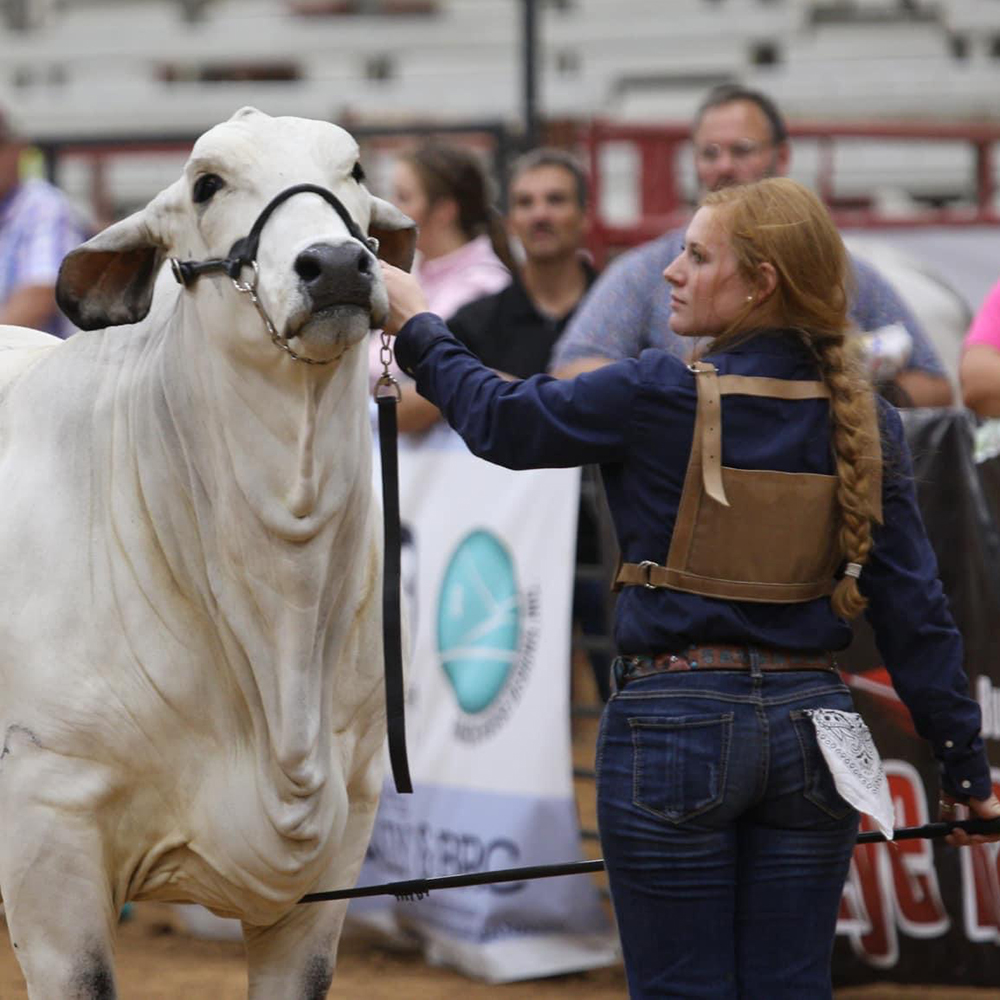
(487, 559)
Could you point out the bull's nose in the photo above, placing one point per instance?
(336, 274)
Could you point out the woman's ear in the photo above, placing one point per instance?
(767, 281)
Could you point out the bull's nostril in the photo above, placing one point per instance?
(335, 274)
(307, 267)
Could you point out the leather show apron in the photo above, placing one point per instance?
(752, 534)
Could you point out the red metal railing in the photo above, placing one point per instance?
(661, 203)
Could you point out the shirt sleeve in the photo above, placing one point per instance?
(612, 319)
(540, 422)
(985, 327)
(877, 304)
(49, 229)
(914, 630)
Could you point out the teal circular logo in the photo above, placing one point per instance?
(479, 620)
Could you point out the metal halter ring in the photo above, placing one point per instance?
(177, 271)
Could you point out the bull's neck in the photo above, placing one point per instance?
(277, 480)
(288, 441)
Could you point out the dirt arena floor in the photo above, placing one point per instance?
(158, 960)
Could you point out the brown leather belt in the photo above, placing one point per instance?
(718, 656)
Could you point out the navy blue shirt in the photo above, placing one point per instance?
(636, 418)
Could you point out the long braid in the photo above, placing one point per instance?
(778, 223)
(851, 403)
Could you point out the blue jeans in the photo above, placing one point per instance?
(726, 842)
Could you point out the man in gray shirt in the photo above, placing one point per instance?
(738, 136)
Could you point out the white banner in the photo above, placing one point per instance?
(487, 572)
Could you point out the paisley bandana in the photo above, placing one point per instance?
(854, 762)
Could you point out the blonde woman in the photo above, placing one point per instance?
(762, 498)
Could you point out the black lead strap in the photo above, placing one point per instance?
(392, 632)
(419, 887)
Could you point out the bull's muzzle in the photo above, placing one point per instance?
(336, 274)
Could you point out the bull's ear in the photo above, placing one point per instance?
(108, 281)
(396, 234)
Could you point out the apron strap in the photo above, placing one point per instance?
(709, 422)
(705, 472)
(772, 388)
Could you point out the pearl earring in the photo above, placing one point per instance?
(749, 298)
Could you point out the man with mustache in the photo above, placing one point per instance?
(739, 136)
(515, 329)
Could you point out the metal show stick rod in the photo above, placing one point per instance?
(417, 888)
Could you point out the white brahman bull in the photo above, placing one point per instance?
(191, 694)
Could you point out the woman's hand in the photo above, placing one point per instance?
(406, 298)
(977, 809)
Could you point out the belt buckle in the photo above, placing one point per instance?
(648, 565)
(625, 669)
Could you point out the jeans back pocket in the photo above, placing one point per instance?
(679, 764)
(818, 785)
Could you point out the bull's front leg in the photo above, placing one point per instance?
(294, 958)
(60, 913)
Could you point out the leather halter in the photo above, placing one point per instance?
(243, 253)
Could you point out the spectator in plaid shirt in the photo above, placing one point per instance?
(38, 227)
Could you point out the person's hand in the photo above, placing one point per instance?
(887, 351)
(950, 809)
(406, 298)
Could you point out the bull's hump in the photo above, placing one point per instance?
(20, 348)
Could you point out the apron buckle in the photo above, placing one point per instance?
(647, 565)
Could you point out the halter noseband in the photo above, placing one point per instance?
(243, 253)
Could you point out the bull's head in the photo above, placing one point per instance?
(319, 280)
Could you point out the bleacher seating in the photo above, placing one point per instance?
(637, 58)
(107, 68)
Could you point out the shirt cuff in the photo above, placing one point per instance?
(967, 776)
(416, 338)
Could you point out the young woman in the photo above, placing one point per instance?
(462, 251)
(762, 498)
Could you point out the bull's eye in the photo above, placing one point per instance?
(358, 173)
(206, 186)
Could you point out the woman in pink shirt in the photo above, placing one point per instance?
(979, 371)
(462, 252)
